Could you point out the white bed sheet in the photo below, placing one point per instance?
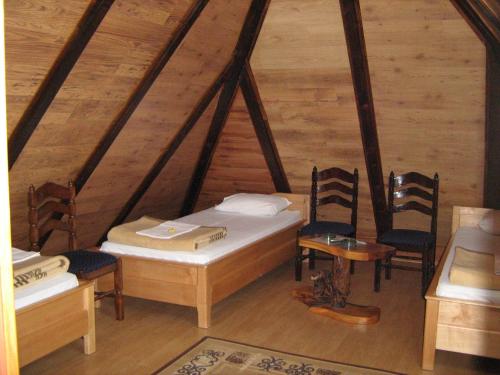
(44, 289)
(472, 239)
(242, 230)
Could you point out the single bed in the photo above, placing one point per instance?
(52, 313)
(202, 278)
(460, 318)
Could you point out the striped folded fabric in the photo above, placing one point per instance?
(38, 268)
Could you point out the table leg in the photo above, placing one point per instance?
(329, 296)
(376, 281)
(298, 262)
(341, 281)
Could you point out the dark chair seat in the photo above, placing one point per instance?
(323, 227)
(85, 261)
(408, 239)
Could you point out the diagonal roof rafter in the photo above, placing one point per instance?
(55, 78)
(358, 58)
(244, 47)
(262, 129)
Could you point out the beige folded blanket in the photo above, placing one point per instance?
(36, 269)
(125, 234)
(474, 269)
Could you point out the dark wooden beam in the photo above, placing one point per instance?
(492, 160)
(64, 63)
(135, 98)
(221, 114)
(262, 129)
(246, 42)
(484, 19)
(356, 48)
(141, 90)
(169, 151)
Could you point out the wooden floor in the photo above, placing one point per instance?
(264, 314)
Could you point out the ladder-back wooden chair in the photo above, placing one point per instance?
(403, 190)
(51, 198)
(329, 186)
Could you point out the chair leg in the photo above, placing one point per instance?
(388, 268)
(118, 284)
(312, 259)
(351, 267)
(432, 261)
(298, 263)
(376, 282)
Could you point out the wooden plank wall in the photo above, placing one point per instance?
(430, 97)
(238, 154)
(165, 196)
(109, 69)
(427, 72)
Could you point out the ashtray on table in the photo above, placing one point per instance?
(344, 242)
(348, 243)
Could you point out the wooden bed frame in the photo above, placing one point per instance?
(52, 323)
(458, 325)
(201, 286)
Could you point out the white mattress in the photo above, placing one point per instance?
(46, 288)
(471, 239)
(242, 230)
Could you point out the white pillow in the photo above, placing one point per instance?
(253, 204)
(490, 222)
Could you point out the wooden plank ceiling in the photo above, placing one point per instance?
(140, 119)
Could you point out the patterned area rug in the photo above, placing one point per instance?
(221, 357)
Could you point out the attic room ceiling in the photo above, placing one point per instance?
(107, 92)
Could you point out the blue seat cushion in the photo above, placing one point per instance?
(85, 261)
(408, 239)
(323, 227)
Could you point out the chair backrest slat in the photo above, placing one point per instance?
(413, 178)
(52, 190)
(52, 206)
(413, 191)
(338, 173)
(52, 224)
(412, 205)
(335, 199)
(335, 186)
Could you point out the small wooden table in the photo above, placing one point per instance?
(329, 294)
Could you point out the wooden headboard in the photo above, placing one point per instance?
(300, 202)
(467, 217)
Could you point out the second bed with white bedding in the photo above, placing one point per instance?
(242, 230)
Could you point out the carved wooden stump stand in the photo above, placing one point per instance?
(329, 295)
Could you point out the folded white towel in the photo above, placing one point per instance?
(167, 230)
